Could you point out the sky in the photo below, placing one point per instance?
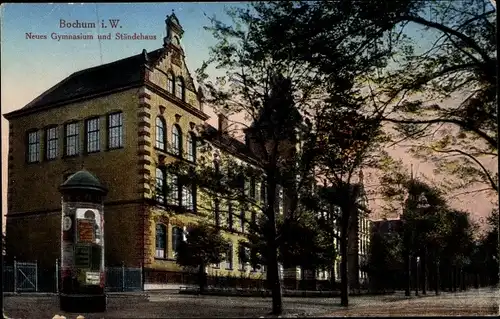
(31, 66)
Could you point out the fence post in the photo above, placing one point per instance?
(57, 275)
(15, 275)
(123, 276)
(36, 275)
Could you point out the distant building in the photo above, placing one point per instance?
(386, 226)
(359, 239)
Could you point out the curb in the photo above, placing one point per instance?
(52, 294)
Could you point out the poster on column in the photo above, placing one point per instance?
(89, 226)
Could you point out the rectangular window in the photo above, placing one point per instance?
(33, 147)
(229, 257)
(242, 220)
(52, 140)
(242, 257)
(187, 197)
(173, 189)
(263, 192)
(246, 185)
(161, 243)
(191, 156)
(115, 130)
(92, 139)
(72, 139)
(254, 219)
(252, 187)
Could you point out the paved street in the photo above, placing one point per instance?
(161, 305)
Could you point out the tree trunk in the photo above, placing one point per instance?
(202, 278)
(417, 273)
(455, 277)
(407, 273)
(273, 269)
(424, 274)
(437, 278)
(331, 272)
(273, 272)
(344, 278)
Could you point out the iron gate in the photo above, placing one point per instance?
(25, 277)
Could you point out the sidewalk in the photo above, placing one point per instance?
(475, 302)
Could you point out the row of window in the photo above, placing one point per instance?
(161, 240)
(178, 234)
(169, 190)
(177, 143)
(229, 216)
(252, 189)
(92, 141)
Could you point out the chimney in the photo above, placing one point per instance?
(223, 123)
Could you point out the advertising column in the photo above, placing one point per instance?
(82, 245)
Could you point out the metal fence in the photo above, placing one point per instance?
(30, 277)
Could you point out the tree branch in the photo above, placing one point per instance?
(494, 185)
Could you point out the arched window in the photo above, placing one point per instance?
(160, 133)
(191, 144)
(160, 189)
(170, 83)
(179, 88)
(176, 140)
(161, 241)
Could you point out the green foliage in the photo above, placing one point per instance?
(447, 90)
(204, 245)
(307, 243)
(311, 82)
(385, 258)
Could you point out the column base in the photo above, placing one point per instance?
(82, 303)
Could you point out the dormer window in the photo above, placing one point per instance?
(179, 88)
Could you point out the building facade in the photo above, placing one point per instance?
(124, 122)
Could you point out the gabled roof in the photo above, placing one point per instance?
(115, 75)
(229, 144)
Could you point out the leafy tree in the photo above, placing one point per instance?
(204, 245)
(274, 163)
(385, 260)
(414, 89)
(346, 143)
(489, 245)
(425, 226)
(328, 66)
(449, 87)
(459, 243)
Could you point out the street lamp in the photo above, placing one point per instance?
(417, 277)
